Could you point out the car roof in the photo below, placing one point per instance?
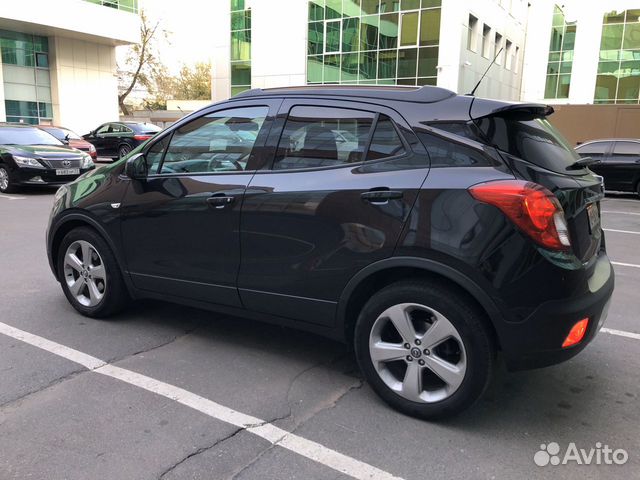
(603, 140)
(426, 94)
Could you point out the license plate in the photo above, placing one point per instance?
(594, 217)
(67, 171)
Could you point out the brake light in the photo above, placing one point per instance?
(576, 334)
(533, 208)
(142, 137)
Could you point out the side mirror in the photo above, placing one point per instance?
(136, 167)
(65, 140)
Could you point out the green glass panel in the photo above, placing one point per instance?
(553, 67)
(611, 37)
(605, 87)
(21, 108)
(409, 33)
(431, 3)
(23, 58)
(386, 81)
(554, 56)
(350, 35)
(370, 6)
(349, 67)
(331, 71)
(368, 65)
(567, 56)
(42, 60)
(241, 73)
(406, 81)
(237, 5)
(367, 82)
(241, 20)
(409, 4)
(45, 110)
(427, 62)
(557, 34)
(241, 45)
(387, 63)
(388, 31)
(564, 82)
(430, 27)
(316, 38)
(614, 17)
(369, 27)
(351, 8)
(565, 67)
(236, 90)
(551, 86)
(608, 67)
(407, 62)
(333, 9)
(332, 40)
(314, 69)
(629, 55)
(388, 6)
(569, 40)
(629, 87)
(316, 10)
(558, 18)
(433, 81)
(633, 15)
(631, 36)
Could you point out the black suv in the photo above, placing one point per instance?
(30, 156)
(429, 230)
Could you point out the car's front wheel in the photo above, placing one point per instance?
(424, 348)
(90, 275)
(6, 182)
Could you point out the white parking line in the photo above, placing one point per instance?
(620, 231)
(625, 264)
(277, 436)
(9, 197)
(622, 213)
(621, 333)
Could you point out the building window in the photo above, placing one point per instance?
(389, 42)
(560, 63)
(241, 47)
(472, 34)
(126, 5)
(508, 50)
(499, 49)
(618, 79)
(486, 41)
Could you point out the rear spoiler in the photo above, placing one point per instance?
(482, 108)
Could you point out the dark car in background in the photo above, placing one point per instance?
(70, 138)
(117, 139)
(617, 160)
(30, 156)
(429, 230)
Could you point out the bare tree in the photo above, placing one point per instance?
(141, 62)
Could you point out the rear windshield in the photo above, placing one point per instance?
(532, 139)
(148, 128)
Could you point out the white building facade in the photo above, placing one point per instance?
(449, 43)
(58, 60)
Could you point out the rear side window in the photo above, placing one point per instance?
(385, 141)
(445, 153)
(532, 139)
(595, 149)
(323, 137)
(631, 149)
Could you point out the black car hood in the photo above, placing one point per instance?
(50, 152)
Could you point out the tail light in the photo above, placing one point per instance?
(533, 208)
(142, 137)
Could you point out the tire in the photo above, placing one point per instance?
(124, 150)
(466, 347)
(109, 294)
(638, 189)
(7, 184)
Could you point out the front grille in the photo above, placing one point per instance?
(61, 163)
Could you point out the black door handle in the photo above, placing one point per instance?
(381, 196)
(219, 201)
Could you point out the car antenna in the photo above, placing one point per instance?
(485, 73)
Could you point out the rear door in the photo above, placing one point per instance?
(599, 151)
(623, 166)
(342, 184)
(100, 137)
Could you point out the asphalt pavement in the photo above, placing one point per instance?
(186, 380)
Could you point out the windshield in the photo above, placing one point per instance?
(533, 139)
(61, 133)
(26, 136)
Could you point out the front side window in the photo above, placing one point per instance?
(218, 142)
(323, 137)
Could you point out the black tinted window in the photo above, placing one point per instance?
(532, 139)
(445, 153)
(626, 148)
(218, 142)
(154, 154)
(593, 149)
(322, 137)
(385, 141)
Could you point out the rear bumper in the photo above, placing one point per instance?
(537, 341)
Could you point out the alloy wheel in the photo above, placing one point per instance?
(4, 179)
(84, 273)
(124, 151)
(417, 352)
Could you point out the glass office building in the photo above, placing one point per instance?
(240, 47)
(388, 42)
(561, 46)
(126, 5)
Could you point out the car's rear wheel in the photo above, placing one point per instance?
(6, 182)
(424, 348)
(124, 150)
(90, 275)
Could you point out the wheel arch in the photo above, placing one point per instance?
(385, 272)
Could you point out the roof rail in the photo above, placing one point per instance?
(426, 94)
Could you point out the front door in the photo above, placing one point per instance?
(341, 187)
(180, 225)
